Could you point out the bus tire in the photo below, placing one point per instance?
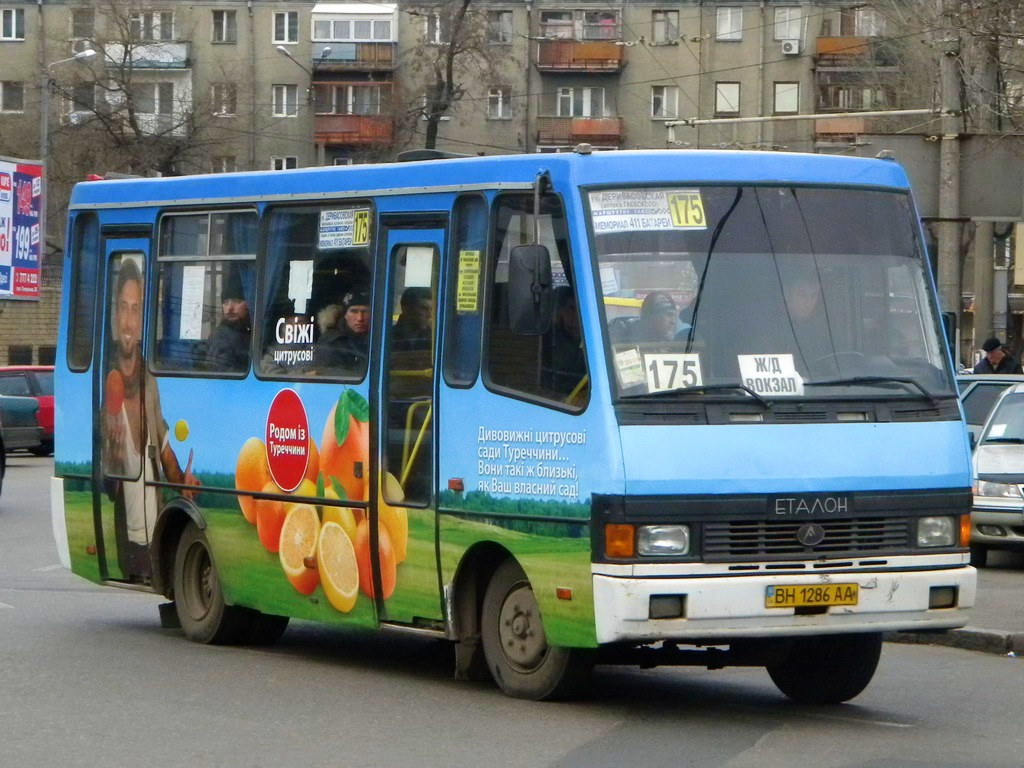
(198, 598)
(265, 628)
(829, 669)
(515, 646)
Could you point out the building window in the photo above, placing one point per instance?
(348, 99)
(152, 25)
(665, 26)
(83, 23)
(12, 23)
(862, 22)
(729, 24)
(284, 163)
(12, 96)
(600, 25)
(787, 23)
(357, 30)
(787, 98)
(727, 98)
(83, 98)
(557, 24)
(47, 355)
(581, 102)
(19, 354)
(285, 100)
(499, 26)
(224, 164)
(225, 27)
(664, 102)
(437, 31)
(499, 104)
(286, 27)
(224, 99)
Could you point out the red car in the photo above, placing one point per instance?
(33, 381)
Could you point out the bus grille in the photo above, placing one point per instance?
(769, 539)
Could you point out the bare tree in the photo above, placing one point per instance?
(133, 109)
(453, 51)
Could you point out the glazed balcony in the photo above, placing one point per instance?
(353, 129)
(850, 52)
(580, 56)
(154, 55)
(573, 130)
(348, 57)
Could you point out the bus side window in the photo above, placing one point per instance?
(462, 351)
(85, 259)
(316, 315)
(535, 365)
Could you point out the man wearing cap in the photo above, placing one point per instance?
(997, 359)
(228, 345)
(345, 344)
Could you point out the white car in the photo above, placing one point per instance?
(997, 517)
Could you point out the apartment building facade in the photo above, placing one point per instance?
(205, 87)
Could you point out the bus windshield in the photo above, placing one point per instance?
(794, 292)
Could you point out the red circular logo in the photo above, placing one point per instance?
(287, 440)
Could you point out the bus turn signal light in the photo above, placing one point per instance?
(619, 540)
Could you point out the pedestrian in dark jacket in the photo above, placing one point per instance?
(997, 359)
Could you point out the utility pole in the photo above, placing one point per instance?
(948, 227)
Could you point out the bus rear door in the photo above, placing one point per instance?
(406, 509)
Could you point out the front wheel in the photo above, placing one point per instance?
(829, 669)
(515, 645)
(204, 616)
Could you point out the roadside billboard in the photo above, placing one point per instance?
(21, 202)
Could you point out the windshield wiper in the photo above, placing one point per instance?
(1014, 440)
(711, 388)
(875, 380)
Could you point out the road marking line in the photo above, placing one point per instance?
(47, 568)
(5, 605)
(859, 721)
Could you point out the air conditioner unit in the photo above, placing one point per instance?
(790, 47)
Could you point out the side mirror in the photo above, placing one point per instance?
(530, 293)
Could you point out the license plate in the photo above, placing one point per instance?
(810, 595)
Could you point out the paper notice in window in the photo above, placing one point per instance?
(193, 281)
(468, 289)
(773, 375)
(630, 368)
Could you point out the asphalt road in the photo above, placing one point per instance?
(88, 678)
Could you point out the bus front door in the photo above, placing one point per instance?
(123, 510)
(406, 508)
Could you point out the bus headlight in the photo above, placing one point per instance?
(936, 532)
(997, 490)
(663, 540)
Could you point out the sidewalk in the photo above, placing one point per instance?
(996, 623)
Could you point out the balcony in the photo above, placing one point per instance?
(573, 130)
(854, 53)
(353, 129)
(348, 57)
(580, 56)
(152, 55)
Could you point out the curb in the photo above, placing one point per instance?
(968, 638)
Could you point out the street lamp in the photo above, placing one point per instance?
(44, 133)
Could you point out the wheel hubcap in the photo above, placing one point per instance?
(200, 581)
(521, 630)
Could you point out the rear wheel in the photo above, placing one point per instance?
(198, 598)
(43, 449)
(829, 669)
(515, 645)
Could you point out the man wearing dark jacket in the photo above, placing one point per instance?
(997, 359)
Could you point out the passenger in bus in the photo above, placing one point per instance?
(414, 329)
(565, 366)
(228, 347)
(344, 334)
(132, 422)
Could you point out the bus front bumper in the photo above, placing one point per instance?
(724, 607)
